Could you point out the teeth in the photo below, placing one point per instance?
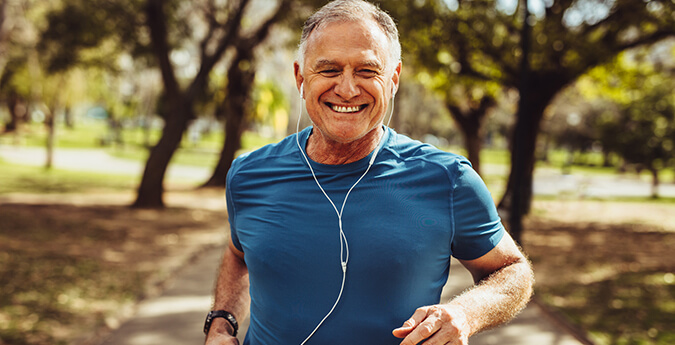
(343, 109)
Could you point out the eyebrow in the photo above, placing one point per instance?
(372, 64)
(324, 63)
(332, 63)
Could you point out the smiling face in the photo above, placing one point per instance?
(348, 79)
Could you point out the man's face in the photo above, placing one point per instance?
(347, 79)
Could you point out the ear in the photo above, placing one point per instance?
(396, 78)
(298, 77)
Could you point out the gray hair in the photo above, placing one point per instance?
(351, 10)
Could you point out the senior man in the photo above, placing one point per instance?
(343, 233)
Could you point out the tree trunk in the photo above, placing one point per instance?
(236, 107)
(51, 133)
(523, 140)
(518, 195)
(151, 189)
(15, 117)
(655, 182)
(233, 131)
(470, 123)
(473, 143)
(179, 111)
(68, 118)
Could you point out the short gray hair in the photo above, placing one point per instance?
(351, 10)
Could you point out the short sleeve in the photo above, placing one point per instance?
(231, 210)
(478, 227)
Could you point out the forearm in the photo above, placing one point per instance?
(497, 298)
(231, 291)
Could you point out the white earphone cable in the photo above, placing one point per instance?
(344, 245)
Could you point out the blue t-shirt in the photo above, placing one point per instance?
(415, 208)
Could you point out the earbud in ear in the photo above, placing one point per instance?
(393, 90)
(302, 91)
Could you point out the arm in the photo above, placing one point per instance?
(503, 287)
(231, 294)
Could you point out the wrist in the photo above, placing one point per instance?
(462, 318)
(221, 326)
(223, 321)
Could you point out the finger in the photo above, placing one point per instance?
(410, 324)
(424, 330)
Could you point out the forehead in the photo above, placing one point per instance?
(346, 41)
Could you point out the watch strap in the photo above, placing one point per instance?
(224, 314)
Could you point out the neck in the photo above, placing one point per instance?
(325, 151)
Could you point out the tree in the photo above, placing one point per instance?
(17, 39)
(436, 50)
(180, 105)
(158, 31)
(566, 39)
(642, 131)
(569, 40)
(647, 130)
(573, 124)
(237, 103)
(26, 78)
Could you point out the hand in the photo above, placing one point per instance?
(438, 324)
(221, 333)
(215, 338)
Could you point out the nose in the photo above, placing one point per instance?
(346, 87)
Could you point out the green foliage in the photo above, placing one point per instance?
(82, 135)
(270, 107)
(642, 130)
(451, 55)
(89, 32)
(481, 39)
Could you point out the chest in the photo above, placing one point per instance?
(390, 222)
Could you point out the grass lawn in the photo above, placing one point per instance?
(28, 179)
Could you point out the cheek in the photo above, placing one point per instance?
(315, 87)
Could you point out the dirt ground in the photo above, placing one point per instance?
(564, 236)
(571, 242)
(608, 267)
(73, 266)
(654, 216)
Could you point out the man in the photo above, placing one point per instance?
(343, 233)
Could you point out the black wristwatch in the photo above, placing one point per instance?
(224, 314)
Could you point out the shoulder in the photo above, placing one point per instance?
(261, 159)
(413, 151)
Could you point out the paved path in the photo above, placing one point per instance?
(177, 317)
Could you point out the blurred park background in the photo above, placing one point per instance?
(119, 120)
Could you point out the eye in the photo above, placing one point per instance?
(329, 73)
(368, 73)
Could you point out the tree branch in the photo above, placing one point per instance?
(209, 16)
(232, 27)
(156, 22)
(264, 29)
(649, 39)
